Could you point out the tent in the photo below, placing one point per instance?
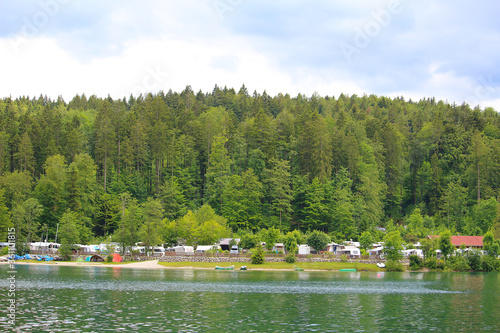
(96, 258)
(15, 257)
(88, 258)
(117, 257)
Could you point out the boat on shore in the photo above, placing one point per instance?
(380, 265)
(243, 268)
(348, 270)
(298, 269)
(229, 268)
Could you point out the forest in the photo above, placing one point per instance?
(195, 166)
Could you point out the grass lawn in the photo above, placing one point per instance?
(326, 266)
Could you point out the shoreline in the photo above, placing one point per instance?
(154, 264)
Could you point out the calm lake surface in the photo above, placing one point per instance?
(100, 299)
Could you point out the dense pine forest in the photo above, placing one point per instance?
(159, 166)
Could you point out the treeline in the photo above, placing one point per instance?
(340, 165)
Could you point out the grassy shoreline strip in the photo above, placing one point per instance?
(322, 266)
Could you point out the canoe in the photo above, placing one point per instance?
(298, 269)
(347, 270)
(229, 268)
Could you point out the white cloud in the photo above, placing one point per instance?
(290, 47)
(151, 65)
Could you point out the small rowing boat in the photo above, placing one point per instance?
(229, 268)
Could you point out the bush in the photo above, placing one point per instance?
(475, 260)
(109, 258)
(431, 263)
(4, 251)
(459, 263)
(394, 266)
(290, 258)
(489, 264)
(415, 262)
(440, 265)
(258, 256)
(343, 258)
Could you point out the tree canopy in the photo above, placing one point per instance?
(342, 165)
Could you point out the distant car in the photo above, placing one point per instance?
(234, 249)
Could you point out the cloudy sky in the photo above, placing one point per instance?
(446, 49)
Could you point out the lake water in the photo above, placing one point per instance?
(101, 299)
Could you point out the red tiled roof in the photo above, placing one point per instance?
(476, 241)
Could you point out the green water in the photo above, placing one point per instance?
(97, 299)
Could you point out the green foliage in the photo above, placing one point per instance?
(203, 227)
(279, 179)
(490, 246)
(25, 218)
(249, 241)
(490, 264)
(416, 262)
(69, 235)
(172, 199)
(431, 263)
(151, 230)
(394, 266)
(258, 256)
(127, 232)
(4, 251)
(241, 200)
(270, 237)
(292, 240)
(343, 258)
(475, 260)
(5, 221)
(366, 240)
(485, 214)
(318, 240)
(428, 247)
(445, 244)
(109, 258)
(393, 246)
(290, 258)
(340, 165)
(458, 263)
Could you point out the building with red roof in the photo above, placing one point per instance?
(475, 242)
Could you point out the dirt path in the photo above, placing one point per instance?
(143, 264)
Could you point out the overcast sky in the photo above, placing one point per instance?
(446, 49)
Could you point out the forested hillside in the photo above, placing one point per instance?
(101, 166)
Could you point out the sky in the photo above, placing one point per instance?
(445, 49)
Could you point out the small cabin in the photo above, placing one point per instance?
(304, 249)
